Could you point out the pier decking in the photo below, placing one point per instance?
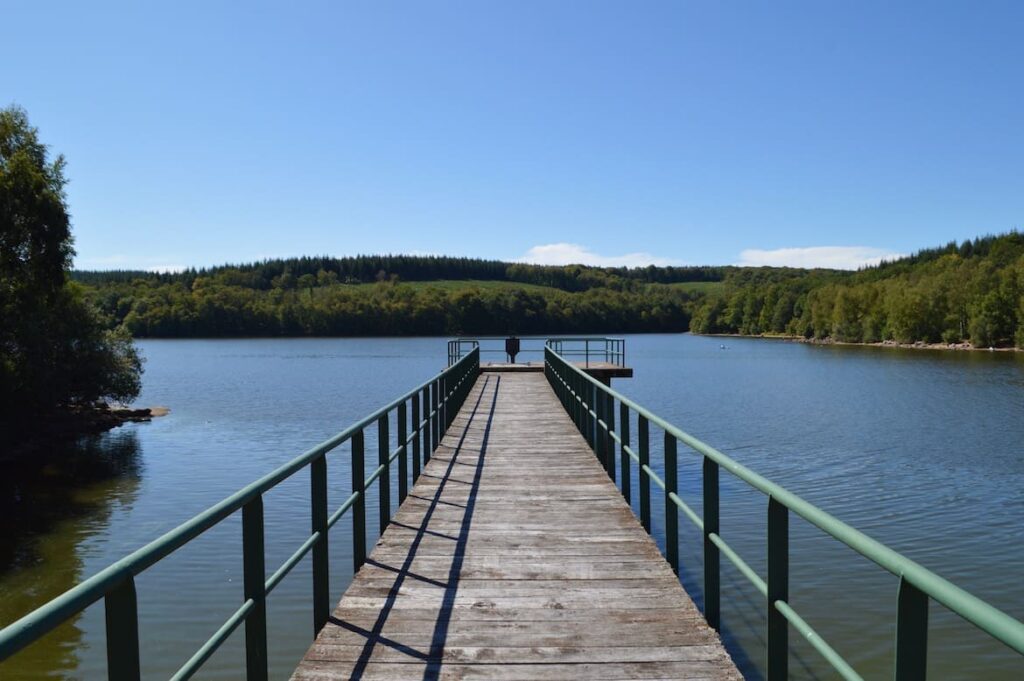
(602, 371)
(515, 557)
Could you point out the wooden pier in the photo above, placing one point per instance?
(515, 557)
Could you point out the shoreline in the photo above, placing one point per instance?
(71, 424)
(919, 345)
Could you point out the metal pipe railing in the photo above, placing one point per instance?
(591, 405)
(440, 399)
(590, 348)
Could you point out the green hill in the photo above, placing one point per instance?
(971, 291)
(967, 292)
(397, 295)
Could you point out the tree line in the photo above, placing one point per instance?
(971, 291)
(218, 305)
(362, 269)
(962, 292)
(394, 295)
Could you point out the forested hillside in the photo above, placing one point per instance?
(968, 292)
(398, 295)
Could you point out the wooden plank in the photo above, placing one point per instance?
(515, 557)
(503, 652)
(663, 671)
(596, 369)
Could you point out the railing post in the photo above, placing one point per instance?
(456, 401)
(643, 479)
(584, 394)
(442, 409)
(609, 443)
(911, 633)
(468, 378)
(623, 456)
(458, 386)
(403, 463)
(462, 387)
(448, 406)
(570, 398)
(581, 421)
(359, 506)
(591, 407)
(712, 573)
(570, 392)
(321, 574)
(435, 408)
(122, 615)
(778, 590)
(416, 420)
(671, 510)
(426, 425)
(577, 400)
(384, 481)
(599, 438)
(441, 403)
(253, 577)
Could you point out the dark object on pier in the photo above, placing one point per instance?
(512, 348)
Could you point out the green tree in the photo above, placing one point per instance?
(992, 319)
(54, 350)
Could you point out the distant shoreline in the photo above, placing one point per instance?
(919, 345)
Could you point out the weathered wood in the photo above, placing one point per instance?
(602, 371)
(445, 671)
(515, 557)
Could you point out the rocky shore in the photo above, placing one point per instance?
(828, 340)
(918, 345)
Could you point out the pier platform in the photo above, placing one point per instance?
(602, 371)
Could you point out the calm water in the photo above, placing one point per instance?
(922, 450)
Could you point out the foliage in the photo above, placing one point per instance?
(55, 349)
(397, 295)
(216, 305)
(969, 292)
(364, 269)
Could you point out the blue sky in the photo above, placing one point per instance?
(612, 133)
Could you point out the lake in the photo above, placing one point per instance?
(922, 450)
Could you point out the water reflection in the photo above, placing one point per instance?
(49, 504)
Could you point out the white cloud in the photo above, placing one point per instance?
(833, 257)
(574, 254)
(125, 262)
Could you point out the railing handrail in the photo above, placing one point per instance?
(44, 619)
(541, 338)
(985, 616)
(611, 348)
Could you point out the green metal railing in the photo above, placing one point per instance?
(591, 405)
(460, 347)
(585, 348)
(610, 350)
(429, 409)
